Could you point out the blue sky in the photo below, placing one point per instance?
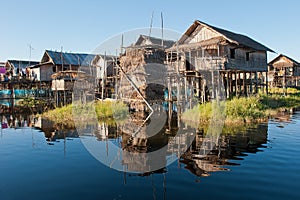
(80, 26)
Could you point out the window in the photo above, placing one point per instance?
(232, 53)
(54, 68)
(247, 56)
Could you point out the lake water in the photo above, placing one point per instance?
(261, 162)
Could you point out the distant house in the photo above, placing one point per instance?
(53, 62)
(204, 51)
(18, 67)
(2, 70)
(106, 74)
(284, 72)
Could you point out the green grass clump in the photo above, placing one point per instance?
(111, 109)
(277, 90)
(98, 110)
(205, 112)
(242, 110)
(61, 115)
(277, 101)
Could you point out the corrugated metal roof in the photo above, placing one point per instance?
(22, 64)
(80, 59)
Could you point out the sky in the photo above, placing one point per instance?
(83, 25)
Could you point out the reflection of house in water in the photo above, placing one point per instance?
(227, 149)
(147, 151)
(105, 131)
(52, 132)
(136, 152)
(181, 137)
(17, 120)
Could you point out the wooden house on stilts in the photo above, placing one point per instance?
(219, 63)
(60, 70)
(284, 72)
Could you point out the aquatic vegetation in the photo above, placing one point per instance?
(98, 110)
(277, 90)
(243, 109)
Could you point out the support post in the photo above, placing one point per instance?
(212, 85)
(227, 84)
(256, 83)
(267, 83)
(244, 83)
(236, 83)
(251, 89)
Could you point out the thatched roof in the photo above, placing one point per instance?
(231, 37)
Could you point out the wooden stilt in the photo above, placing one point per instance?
(236, 84)
(251, 89)
(230, 84)
(227, 84)
(244, 84)
(212, 85)
(267, 83)
(239, 84)
(256, 83)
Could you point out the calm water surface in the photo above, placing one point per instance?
(262, 162)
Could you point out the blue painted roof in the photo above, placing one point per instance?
(80, 59)
(22, 64)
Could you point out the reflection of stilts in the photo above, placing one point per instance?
(32, 139)
(165, 187)
(153, 187)
(65, 145)
(124, 177)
